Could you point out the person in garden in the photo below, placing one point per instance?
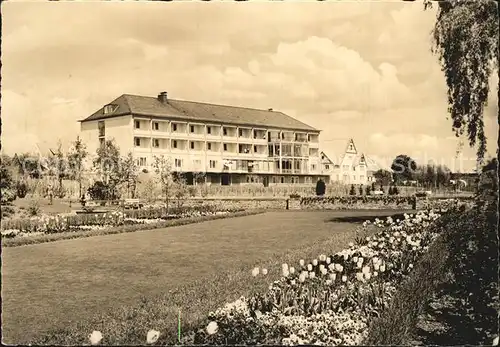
(50, 193)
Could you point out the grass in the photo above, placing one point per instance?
(69, 287)
(30, 240)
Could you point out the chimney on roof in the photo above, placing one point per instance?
(269, 109)
(162, 97)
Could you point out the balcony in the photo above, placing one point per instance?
(160, 127)
(230, 133)
(213, 132)
(301, 137)
(196, 131)
(245, 134)
(259, 136)
(244, 149)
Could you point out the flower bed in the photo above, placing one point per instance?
(355, 202)
(331, 300)
(58, 224)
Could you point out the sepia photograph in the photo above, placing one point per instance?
(249, 173)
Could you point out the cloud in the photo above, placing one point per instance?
(351, 69)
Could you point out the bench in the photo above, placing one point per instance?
(132, 203)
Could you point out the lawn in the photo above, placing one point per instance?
(194, 267)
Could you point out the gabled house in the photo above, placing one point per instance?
(348, 165)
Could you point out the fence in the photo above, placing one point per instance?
(38, 188)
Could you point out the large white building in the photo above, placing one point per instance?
(230, 145)
(348, 165)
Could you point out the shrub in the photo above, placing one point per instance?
(361, 190)
(368, 190)
(22, 189)
(99, 191)
(320, 188)
(34, 208)
(353, 190)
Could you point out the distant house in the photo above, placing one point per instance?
(348, 165)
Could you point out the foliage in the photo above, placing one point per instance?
(320, 188)
(165, 176)
(34, 208)
(99, 191)
(368, 190)
(383, 177)
(96, 221)
(331, 300)
(7, 191)
(466, 42)
(352, 191)
(432, 175)
(404, 168)
(107, 163)
(22, 189)
(76, 156)
(350, 201)
(130, 174)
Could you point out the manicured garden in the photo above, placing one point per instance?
(82, 284)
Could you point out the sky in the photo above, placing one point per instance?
(361, 70)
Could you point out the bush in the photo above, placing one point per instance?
(353, 190)
(34, 208)
(99, 191)
(320, 188)
(22, 189)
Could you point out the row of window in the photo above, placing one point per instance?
(346, 177)
(142, 161)
(241, 148)
(225, 132)
(345, 167)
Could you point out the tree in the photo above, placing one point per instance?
(404, 168)
(76, 156)
(384, 177)
(368, 190)
(360, 189)
(466, 42)
(163, 170)
(130, 174)
(107, 164)
(7, 190)
(320, 188)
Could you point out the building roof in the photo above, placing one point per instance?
(340, 147)
(197, 111)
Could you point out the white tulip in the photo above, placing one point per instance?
(95, 337)
(212, 328)
(152, 336)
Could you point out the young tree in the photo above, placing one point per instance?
(163, 170)
(107, 164)
(130, 174)
(76, 156)
(361, 189)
